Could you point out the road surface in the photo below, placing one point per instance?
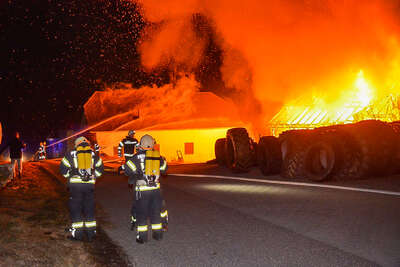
(227, 222)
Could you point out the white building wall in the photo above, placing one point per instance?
(171, 142)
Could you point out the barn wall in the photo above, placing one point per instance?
(200, 142)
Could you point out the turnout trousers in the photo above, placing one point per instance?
(148, 205)
(81, 209)
(163, 214)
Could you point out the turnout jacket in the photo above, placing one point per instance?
(135, 169)
(69, 168)
(129, 144)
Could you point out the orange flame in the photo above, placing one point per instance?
(355, 104)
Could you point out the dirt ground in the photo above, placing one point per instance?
(33, 218)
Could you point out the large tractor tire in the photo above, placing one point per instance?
(352, 159)
(269, 156)
(320, 158)
(319, 161)
(294, 144)
(220, 154)
(325, 156)
(369, 148)
(239, 151)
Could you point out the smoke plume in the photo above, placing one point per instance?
(278, 50)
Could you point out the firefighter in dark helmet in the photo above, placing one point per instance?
(129, 144)
(144, 171)
(82, 167)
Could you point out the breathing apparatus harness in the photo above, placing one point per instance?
(83, 160)
(150, 166)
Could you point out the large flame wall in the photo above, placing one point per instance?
(171, 142)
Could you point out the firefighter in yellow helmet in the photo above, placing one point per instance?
(82, 167)
(144, 171)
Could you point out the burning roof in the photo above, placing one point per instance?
(179, 106)
(359, 103)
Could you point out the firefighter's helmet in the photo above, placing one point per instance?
(147, 142)
(81, 140)
(131, 132)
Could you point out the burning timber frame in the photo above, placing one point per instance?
(292, 117)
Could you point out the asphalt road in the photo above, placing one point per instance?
(218, 222)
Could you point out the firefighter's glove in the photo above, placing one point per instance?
(130, 186)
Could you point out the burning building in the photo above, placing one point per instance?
(306, 55)
(359, 103)
(185, 122)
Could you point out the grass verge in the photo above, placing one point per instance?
(33, 216)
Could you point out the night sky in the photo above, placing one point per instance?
(55, 54)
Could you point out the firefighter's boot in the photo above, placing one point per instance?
(140, 240)
(141, 236)
(76, 234)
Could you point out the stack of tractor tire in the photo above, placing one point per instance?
(359, 150)
(237, 151)
(293, 146)
(269, 155)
